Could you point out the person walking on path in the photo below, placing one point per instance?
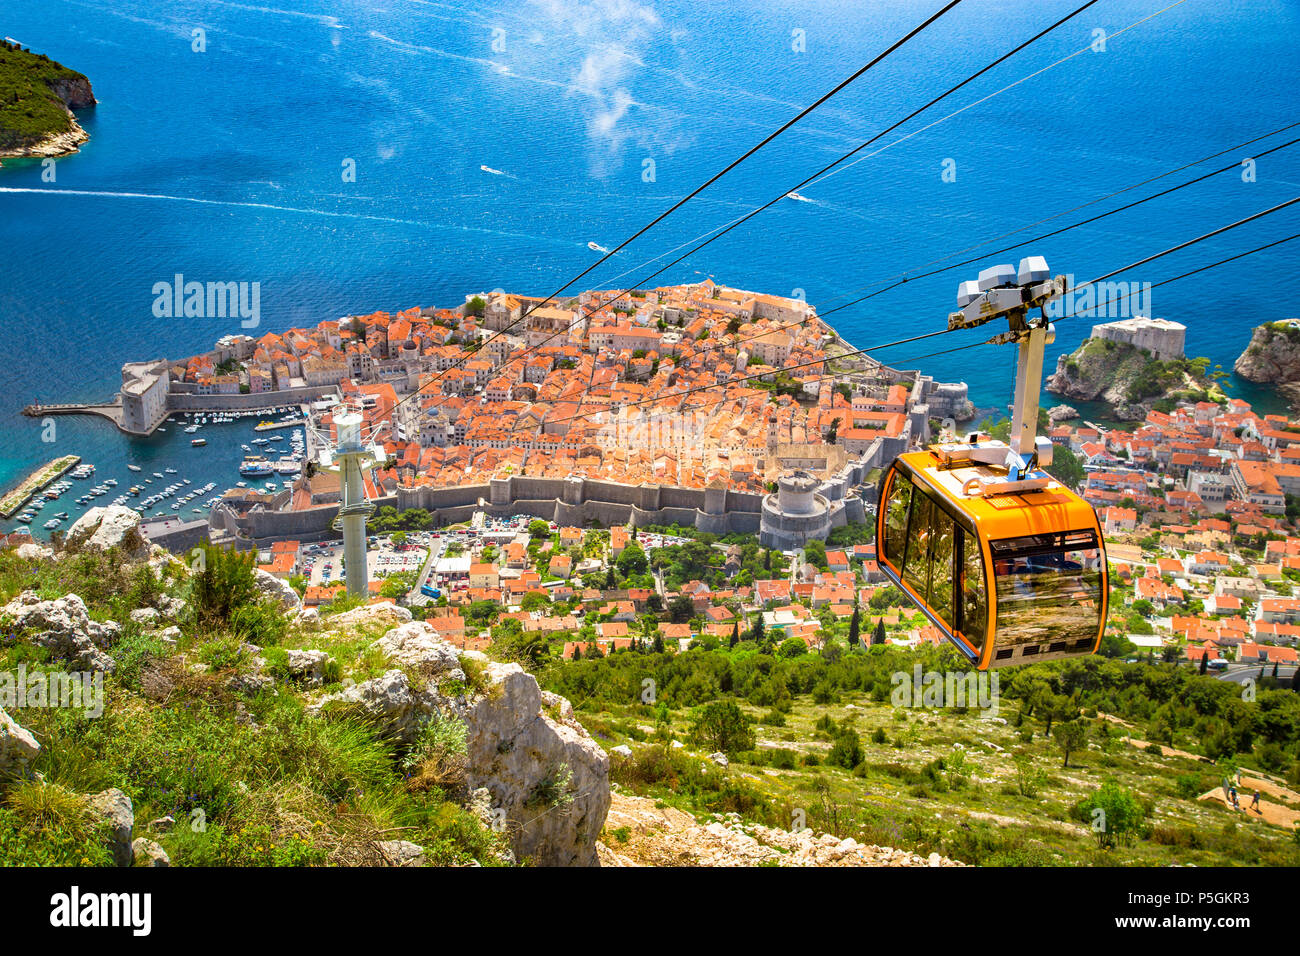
(1254, 802)
(1232, 793)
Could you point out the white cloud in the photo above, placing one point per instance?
(615, 33)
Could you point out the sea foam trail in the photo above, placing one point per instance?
(300, 210)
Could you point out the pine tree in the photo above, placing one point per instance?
(767, 560)
(879, 636)
(1275, 670)
(577, 652)
(735, 634)
(659, 643)
(1205, 661)
(855, 625)
(759, 628)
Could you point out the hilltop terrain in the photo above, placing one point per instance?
(233, 726)
(215, 721)
(37, 97)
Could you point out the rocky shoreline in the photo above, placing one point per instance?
(1126, 378)
(75, 93)
(1273, 358)
(54, 145)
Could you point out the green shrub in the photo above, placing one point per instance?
(48, 825)
(224, 583)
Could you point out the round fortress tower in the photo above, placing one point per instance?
(795, 514)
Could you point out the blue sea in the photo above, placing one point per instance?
(225, 134)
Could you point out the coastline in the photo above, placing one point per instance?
(55, 145)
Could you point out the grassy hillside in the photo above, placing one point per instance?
(30, 109)
(188, 732)
(822, 743)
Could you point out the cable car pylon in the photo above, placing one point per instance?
(1004, 292)
(347, 460)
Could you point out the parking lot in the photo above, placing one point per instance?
(322, 564)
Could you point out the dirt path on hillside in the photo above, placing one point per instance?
(1268, 811)
(1165, 749)
(665, 836)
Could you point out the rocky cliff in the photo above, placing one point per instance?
(1273, 358)
(1127, 378)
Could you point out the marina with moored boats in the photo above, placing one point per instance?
(173, 487)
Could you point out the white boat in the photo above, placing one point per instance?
(596, 248)
(794, 195)
(134, 467)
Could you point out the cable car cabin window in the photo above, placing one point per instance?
(927, 568)
(1048, 588)
(900, 497)
(974, 600)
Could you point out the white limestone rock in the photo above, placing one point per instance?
(114, 808)
(551, 779)
(401, 852)
(63, 627)
(31, 551)
(385, 612)
(308, 666)
(104, 528)
(147, 853)
(530, 766)
(18, 747)
(415, 644)
(390, 700)
(278, 590)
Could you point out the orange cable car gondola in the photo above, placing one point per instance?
(1004, 560)
(1007, 578)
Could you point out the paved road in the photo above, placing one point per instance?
(436, 548)
(1237, 673)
